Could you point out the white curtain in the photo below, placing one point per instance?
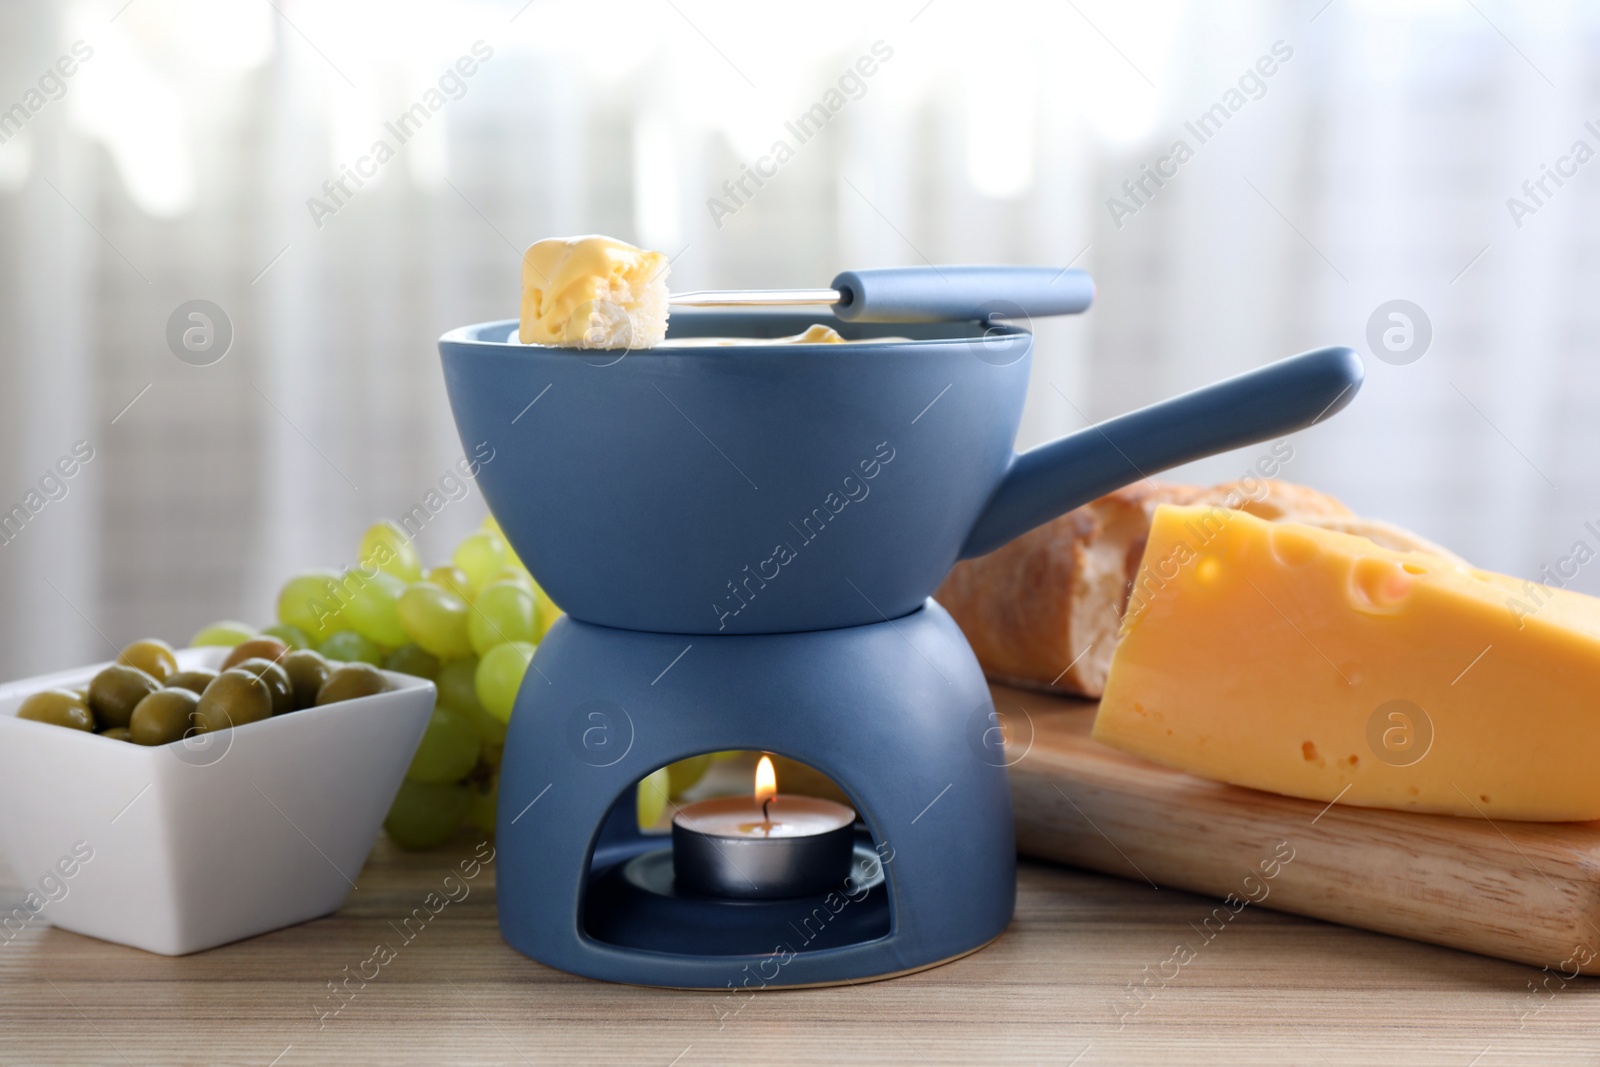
(1374, 163)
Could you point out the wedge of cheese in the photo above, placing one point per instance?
(1317, 664)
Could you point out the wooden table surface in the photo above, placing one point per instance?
(1055, 989)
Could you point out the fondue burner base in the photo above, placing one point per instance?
(896, 713)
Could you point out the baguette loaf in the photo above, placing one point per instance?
(1042, 612)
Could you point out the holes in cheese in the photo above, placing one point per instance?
(1319, 665)
(1379, 585)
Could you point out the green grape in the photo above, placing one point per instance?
(492, 524)
(504, 611)
(489, 728)
(514, 574)
(413, 660)
(292, 636)
(389, 548)
(457, 683)
(347, 646)
(652, 797)
(485, 798)
(480, 555)
(458, 689)
(436, 619)
(425, 814)
(224, 634)
(373, 609)
(448, 751)
(686, 772)
(313, 601)
(453, 579)
(499, 677)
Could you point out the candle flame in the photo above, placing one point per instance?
(766, 780)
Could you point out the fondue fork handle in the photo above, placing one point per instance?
(1270, 401)
(960, 293)
(926, 294)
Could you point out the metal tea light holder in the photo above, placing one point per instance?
(745, 540)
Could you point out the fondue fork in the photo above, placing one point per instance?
(924, 294)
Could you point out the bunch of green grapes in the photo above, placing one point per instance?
(471, 626)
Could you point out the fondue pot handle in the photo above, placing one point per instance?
(957, 293)
(1054, 478)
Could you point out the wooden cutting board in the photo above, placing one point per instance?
(1528, 892)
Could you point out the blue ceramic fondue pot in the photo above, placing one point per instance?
(755, 489)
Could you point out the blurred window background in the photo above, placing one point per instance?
(1335, 156)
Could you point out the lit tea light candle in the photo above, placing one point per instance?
(762, 846)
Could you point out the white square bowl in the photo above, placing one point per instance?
(207, 840)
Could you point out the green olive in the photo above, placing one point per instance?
(277, 680)
(233, 699)
(352, 680)
(195, 681)
(163, 717)
(307, 671)
(268, 648)
(61, 707)
(118, 733)
(413, 660)
(115, 691)
(151, 655)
